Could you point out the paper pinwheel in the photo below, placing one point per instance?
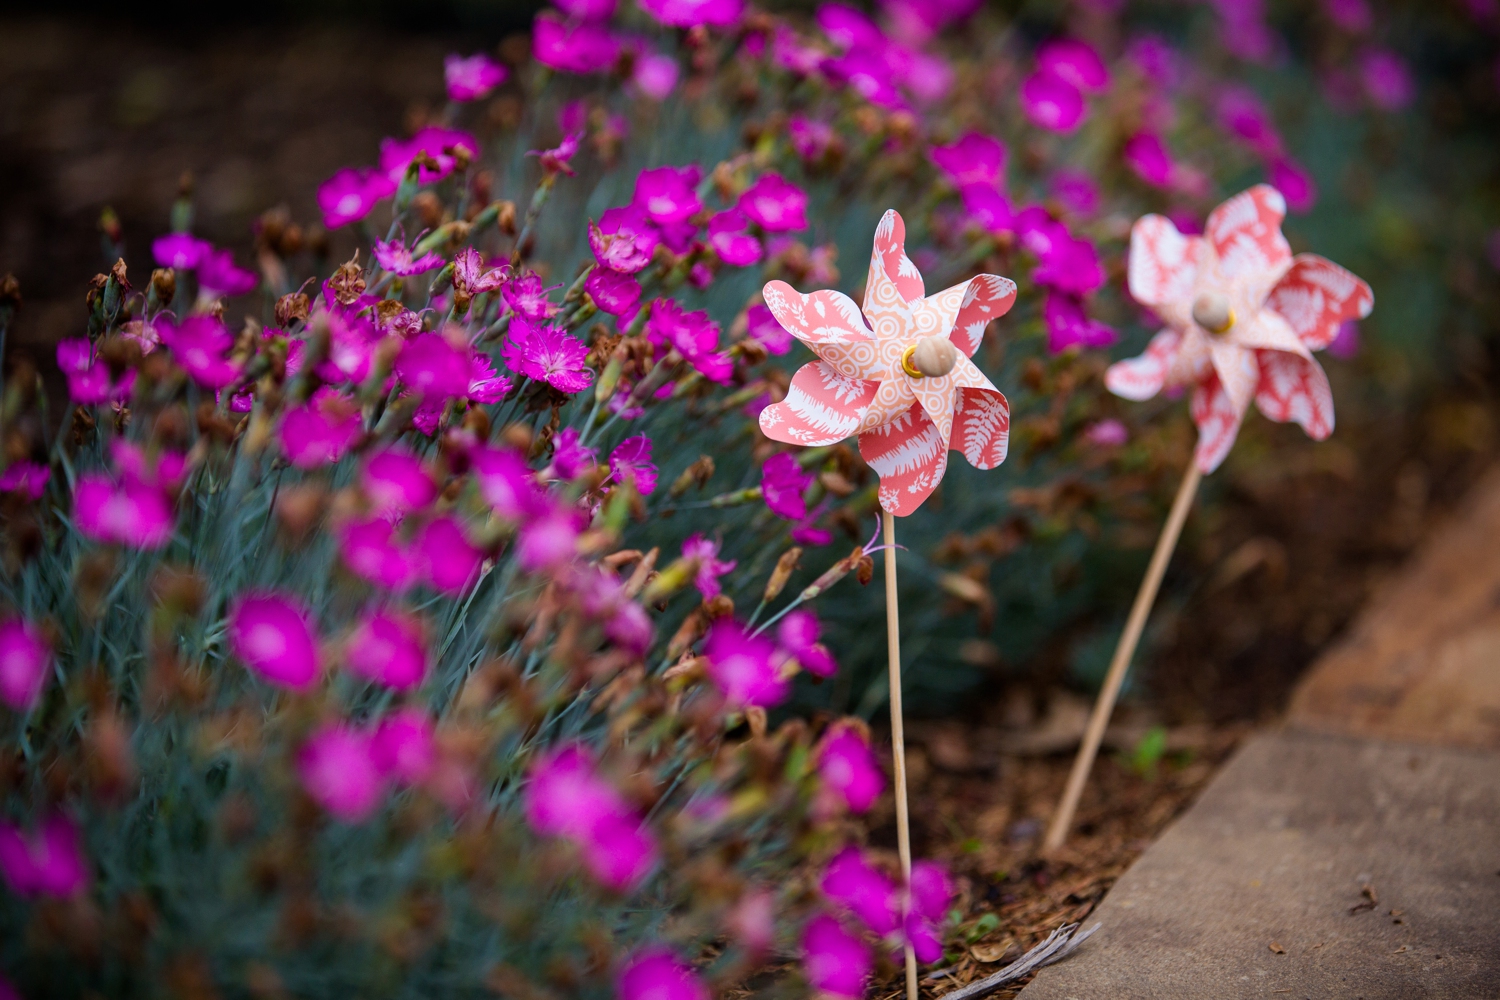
(904, 382)
(1242, 316)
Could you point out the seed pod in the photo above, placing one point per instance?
(782, 573)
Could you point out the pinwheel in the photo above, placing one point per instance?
(1243, 318)
(897, 375)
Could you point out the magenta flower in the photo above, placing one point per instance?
(506, 483)
(797, 637)
(1352, 16)
(623, 240)
(1074, 62)
(89, 383)
(1109, 433)
(350, 195)
(388, 648)
(549, 541)
(351, 347)
(485, 385)
(812, 139)
(445, 555)
(218, 274)
(372, 552)
(1243, 116)
(863, 891)
(848, 767)
(469, 272)
(1069, 326)
(710, 566)
(620, 851)
(180, 251)
(402, 747)
(133, 514)
(397, 258)
(761, 327)
(742, 665)
(584, 47)
(931, 890)
(777, 205)
(613, 292)
(1155, 59)
(198, 345)
(472, 78)
(974, 159)
(728, 236)
(693, 334)
(525, 294)
(45, 862)
(273, 634)
(397, 482)
(25, 662)
(566, 798)
(1146, 155)
(655, 75)
(569, 458)
(439, 144)
(988, 208)
(164, 470)
(692, 13)
(432, 367)
(837, 961)
(1076, 190)
(320, 431)
(656, 974)
(1386, 78)
(558, 160)
(1295, 184)
(27, 478)
(631, 463)
(1345, 343)
(588, 10)
(338, 772)
(783, 484)
(1067, 263)
(868, 74)
(1052, 102)
(668, 195)
(548, 354)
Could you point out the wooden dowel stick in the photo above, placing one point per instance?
(898, 731)
(1144, 598)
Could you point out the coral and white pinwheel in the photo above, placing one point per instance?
(897, 382)
(1242, 316)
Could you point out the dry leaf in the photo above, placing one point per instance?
(1278, 949)
(992, 951)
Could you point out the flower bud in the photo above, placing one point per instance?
(782, 573)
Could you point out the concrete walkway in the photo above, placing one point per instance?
(1354, 853)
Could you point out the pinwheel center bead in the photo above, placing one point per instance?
(930, 357)
(1212, 311)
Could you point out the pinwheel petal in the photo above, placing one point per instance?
(894, 398)
(1163, 262)
(1317, 296)
(981, 427)
(1269, 332)
(1144, 376)
(890, 263)
(909, 456)
(966, 309)
(1238, 371)
(1245, 232)
(822, 406)
(830, 324)
(1218, 421)
(1295, 388)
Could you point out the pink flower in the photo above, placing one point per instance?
(132, 514)
(1295, 184)
(783, 484)
(350, 195)
(623, 240)
(752, 922)
(692, 13)
(848, 767)
(930, 891)
(1076, 190)
(548, 541)
(620, 851)
(974, 159)
(337, 769)
(848, 28)
(548, 354)
(797, 637)
(1146, 155)
(320, 431)
(558, 160)
(667, 194)
(569, 458)
(389, 648)
(762, 328)
(630, 462)
(656, 974)
(584, 47)
(469, 272)
(472, 78)
(727, 235)
(27, 478)
(402, 748)
(693, 334)
(397, 482)
(351, 347)
(1352, 16)
(1068, 263)
(506, 483)
(45, 862)
(272, 633)
(25, 662)
(397, 258)
(710, 566)
(812, 139)
(837, 961)
(1386, 78)
(1345, 344)
(524, 293)
(485, 386)
(1107, 434)
(218, 274)
(868, 74)
(863, 891)
(655, 75)
(1074, 62)
(446, 557)
(775, 204)
(742, 665)
(566, 798)
(1052, 102)
(588, 10)
(431, 367)
(615, 293)
(1243, 116)
(439, 144)
(198, 345)
(1155, 59)
(180, 251)
(89, 383)
(988, 208)
(1069, 326)
(371, 551)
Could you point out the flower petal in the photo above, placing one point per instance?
(822, 406)
(1294, 388)
(909, 456)
(1316, 296)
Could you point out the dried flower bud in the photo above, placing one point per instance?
(298, 509)
(429, 209)
(505, 220)
(109, 225)
(518, 436)
(835, 573)
(120, 354)
(864, 570)
(164, 284)
(181, 590)
(719, 606)
(783, 572)
(348, 282)
(291, 307)
(700, 472)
